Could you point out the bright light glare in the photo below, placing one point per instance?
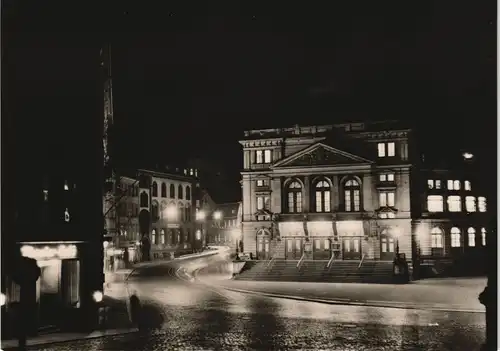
(200, 215)
(467, 155)
(97, 296)
(3, 299)
(105, 244)
(171, 212)
(217, 215)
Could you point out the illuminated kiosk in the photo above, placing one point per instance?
(59, 290)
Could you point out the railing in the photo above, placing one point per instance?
(361, 261)
(273, 256)
(330, 261)
(301, 261)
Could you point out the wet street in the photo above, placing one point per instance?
(188, 316)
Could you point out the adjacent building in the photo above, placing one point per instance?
(353, 191)
(226, 225)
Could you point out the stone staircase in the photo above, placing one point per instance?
(316, 271)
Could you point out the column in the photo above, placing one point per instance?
(246, 159)
(335, 200)
(307, 196)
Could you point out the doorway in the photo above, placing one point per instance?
(263, 248)
(294, 248)
(387, 248)
(322, 249)
(351, 248)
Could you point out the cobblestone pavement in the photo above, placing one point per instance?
(188, 316)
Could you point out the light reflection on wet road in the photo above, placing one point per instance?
(184, 316)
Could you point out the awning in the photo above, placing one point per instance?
(350, 228)
(320, 228)
(291, 229)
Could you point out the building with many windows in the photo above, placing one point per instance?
(351, 191)
(226, 225)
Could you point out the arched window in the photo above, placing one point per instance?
(436, 238)
(352, 195)
(483, 236)
(188, 193)
(471, 233)
(162, 236)
(155, 189)
(455, 237)
(163, 190)
(180, 192)
(322, 196)
(144, 199)
(172, 191)
(294, 197)
(154, 211)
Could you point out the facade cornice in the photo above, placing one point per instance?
(385, 134)
(337, 169)
(264, 142)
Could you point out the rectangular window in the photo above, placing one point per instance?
(317, 244)
(455, 239)
(386, 199)
(481, 204)
(470, 204)
(381, 149)
(450, 184)
(259, 156)
(267, 156)
(386, 177)
(467, 185)
(391, 149)
(453, 185)
(291, 202)
(263, 202)
(262, 182)
(438, 184)
(356, 201)
(435, 203)
(298, 201)
(483, 236)
(430, 184)
(454, 203)
(327, 201)
(347, 200)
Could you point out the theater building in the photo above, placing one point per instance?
(348, 192)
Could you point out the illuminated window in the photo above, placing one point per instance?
(66, 215)
(385, 215)
(455, 237)
(470, 204)
(435, 203)
(45, 195)
(381, 149)
(322, 196)
(153, 236)
(471, 232)
(163, 190)
(386, 177)
(436, 238)
(66, 187)
(352, 195)
(437, 184)
(386, 198)
(267, 156)
(260, 182)
(481, 204)
(467, 185)
(454, 203)
(386, 149)
(430, 184)
(453, 185)
(294, 197)
(263, 202)
(162, 237)
(154, 189)
(483, 236)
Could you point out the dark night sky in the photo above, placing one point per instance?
(189, 81)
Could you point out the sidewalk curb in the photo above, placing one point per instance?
(13, 344)
(341, 301)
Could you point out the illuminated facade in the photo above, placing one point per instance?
(163, 206)
(226, 225)
(347, 192)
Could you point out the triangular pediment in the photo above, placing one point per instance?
(320, 154)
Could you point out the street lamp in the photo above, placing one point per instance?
(217, 215)
(200, 215)
(170, 212)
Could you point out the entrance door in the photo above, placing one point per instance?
(351, 248)
(387, 248)
(263, 248)
(321, 249)
(294, 248)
